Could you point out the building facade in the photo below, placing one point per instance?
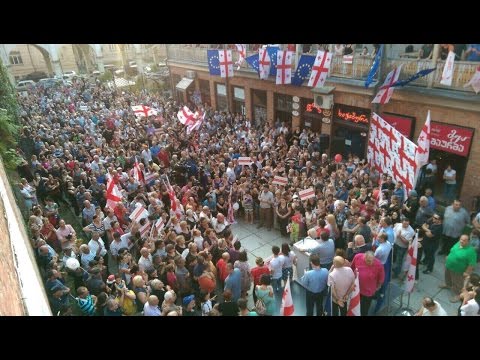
(344, 122)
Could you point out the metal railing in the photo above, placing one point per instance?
(358, 69)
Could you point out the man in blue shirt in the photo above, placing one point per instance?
(315, 282)
(233, 282)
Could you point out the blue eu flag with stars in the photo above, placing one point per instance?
(272, 52)
(303, 69)
(253, 61)
(213, 62)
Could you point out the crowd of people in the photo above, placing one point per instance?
(77, 139)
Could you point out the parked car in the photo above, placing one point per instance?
(69, 74)
(25, 85)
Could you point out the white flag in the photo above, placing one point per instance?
(226, 63)
(287, 307)
(412, 261)
(284, 67)
(320, 69)
(423, 142)
(383, 96)
(474, 81)
(354, 303)
(447, 74)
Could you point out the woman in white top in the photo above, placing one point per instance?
(471, 303)
(449, 175)
(290, 259)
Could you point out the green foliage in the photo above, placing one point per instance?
(9, 118)
(106, 76)
(11, 159)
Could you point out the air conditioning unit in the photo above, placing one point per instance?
(323, 101)
(191, 74)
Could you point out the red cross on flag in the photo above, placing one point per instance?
(354, 303)
(320, 69)
(114, 196)
(263, 63)
(186, 117)
(242, 54)
(412, 261)
(423, 142)
(226, 64)
(385, 93)
(287, 307)
(284, 67)
(142, 110)
(138, 173)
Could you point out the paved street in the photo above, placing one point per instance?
(258, 242)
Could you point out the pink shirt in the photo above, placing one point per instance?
(370, 276)
(342, 278)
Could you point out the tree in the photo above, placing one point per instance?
(9, 119)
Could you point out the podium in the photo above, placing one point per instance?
(303, 258)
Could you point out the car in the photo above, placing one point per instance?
(24, 85)
(69, 74)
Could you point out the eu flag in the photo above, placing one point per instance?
(272, 52)
(414, 77)
(253, 61)
(213, 62)
(374, 68)
(303, 69)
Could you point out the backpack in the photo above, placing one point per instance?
(260, 307)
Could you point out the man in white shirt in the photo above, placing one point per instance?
(145, 261)
(341, 280)
(275, 266)
(151, 307)
(219, 224)
(97, 242)
(431, 308)
(266, 199)
(404, 234)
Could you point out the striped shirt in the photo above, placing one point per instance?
(86, 305)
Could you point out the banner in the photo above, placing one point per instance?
(450, 138)
(306, 194)
(391, 152)
(138, 214)
(447, 75)
(278, 180)
(244, 161)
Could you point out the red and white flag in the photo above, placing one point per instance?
(347, 59)
(144, 229)
(138, 214)
(284, 67)
(138, 173)
(142, 110)
(383, 96)
(242, 54)
(114, 196)
(226, 63)
(245, 160)
(186, 117)
(423, 142)
(278, 180)
(287, 307)
(198, 123)
(306, 194)
(149, 177)
(230, 213)
(474, 81)
(264, 63)
(447, 74)
(412, 261)
(159, 225)
(354, 303)
(320, 69)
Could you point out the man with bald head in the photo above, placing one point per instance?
(220, 224)
(341, 280)
(145, 261)
(358, 246)
(151, 306)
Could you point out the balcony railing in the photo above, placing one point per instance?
(462, 72)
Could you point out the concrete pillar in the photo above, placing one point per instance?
(295, 122)
(139, 57)
(248, 103)
(55, 60)
(4, 60)
(57, 68)
(100, 64)
(270, 107)
(213, 92)
(99, 57)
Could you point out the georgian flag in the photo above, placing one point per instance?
(412, 264)
(447, 74)
(114, 196)
(142, 110)
(383, 96)
(287, 307)
(284, 67)
(474, 81)
(186, 117)
(226, 64)
(138, 214)
(138, 173)
(242, 54)
(198, 123)
(423, 142)
(320, 69)
(263, 63)
(354, 303)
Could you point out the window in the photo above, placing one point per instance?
(15, 58)
(283, 102)
(221, 90)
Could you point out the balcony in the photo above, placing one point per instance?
(358, 70)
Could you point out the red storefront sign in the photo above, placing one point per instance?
(449, 138)
(403, 124)
(351, 114)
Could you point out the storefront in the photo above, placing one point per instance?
(259, 101)
(450, 144)
(350, 130)
(283, 109)
(238, 100)
(221, 93)
(404, 124)
(311, 115)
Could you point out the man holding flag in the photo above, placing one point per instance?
(315, 283)
(287, 307)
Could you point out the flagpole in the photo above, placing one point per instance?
(381, 71)
(431, 76)
(226, 77)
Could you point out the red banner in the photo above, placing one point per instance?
(401, 123)
(450, 138)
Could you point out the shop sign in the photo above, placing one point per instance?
(351, 114)
(404, 124)
(452, 139)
